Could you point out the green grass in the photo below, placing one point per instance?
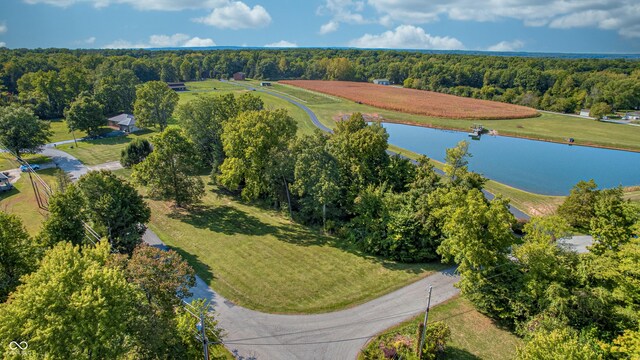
(550, 127)
(100, 151)
(61, 131)
(261, 260)
(473, 335)
(21, 201)
(8, 162)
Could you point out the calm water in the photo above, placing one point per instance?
(535, 166)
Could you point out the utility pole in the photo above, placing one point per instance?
(203, 336)
(424, 324)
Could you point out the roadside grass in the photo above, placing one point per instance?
(258, 259)
(61, 131)
(473, 335)
(8, 162)
(21, 201)
(549, 127)
(100, 151)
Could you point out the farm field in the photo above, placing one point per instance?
(416, 101)
(258, 259)
(546, 127)
(473, 335)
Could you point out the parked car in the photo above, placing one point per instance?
(25, 168)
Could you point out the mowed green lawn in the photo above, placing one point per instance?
(21, 201)
(100, 151)
(261, 260)
(473, 335)
(552, 127)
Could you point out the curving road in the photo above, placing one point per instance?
(337, 335)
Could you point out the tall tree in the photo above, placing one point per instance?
(85, 114)
(360, 150)
(613, 221)
(73, 307)
(21, 131)
(456, 161)
(256, 143)
(170, 171)
(135, 152)
(578, 207)
(117, 91)
(66, 217)
(17, 253)
(154, 104)
(316, 175)
(115, 208)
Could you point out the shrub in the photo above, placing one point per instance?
(135, 152)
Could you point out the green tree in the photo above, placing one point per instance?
(154, 104)
(436, 338)
(170, 170)
(73, 307)
(316, 175)
(613, 221)
(360, 150)
(85, 114)
(17, 253)
(117, 91)
(562, 343)
(44, 90)
(598, 110)
(187, 323)
(21, 131)
(456, 162)
(578, 207)
(115, 208)
(255, 144)
(135, 152)
(66, 217)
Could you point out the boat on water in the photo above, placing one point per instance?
(476, 131)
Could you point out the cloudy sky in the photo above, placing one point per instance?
(500, 25)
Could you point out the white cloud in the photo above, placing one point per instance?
(507, 46)
(159, 41)
(622, 16)
(198, 42)
(329, 27)
(168, 40)
(3, 44)
(3, 28)
(91, 40)
(407, 37)
(162, 5)
(237, 15)
(282, 44)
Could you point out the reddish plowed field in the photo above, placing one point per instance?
(417, 101)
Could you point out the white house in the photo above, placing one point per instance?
(585, 112)
(123, 122)
(382, 82)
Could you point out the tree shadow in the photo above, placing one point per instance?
(223, 219)
(459, 354)
(203, 270)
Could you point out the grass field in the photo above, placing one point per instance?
(259, 259)
(21, 201)
(414, 101)
(473, 335)
(100, 151)
(549, 127)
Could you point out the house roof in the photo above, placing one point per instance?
(381, 80)
(124, 119)
(3, 177)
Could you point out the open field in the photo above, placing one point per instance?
(473, 335)
(547, 127)
(261, 260)
(419, 102)
(21, 201)
(8, 162)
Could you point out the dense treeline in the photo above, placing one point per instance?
(51, 79)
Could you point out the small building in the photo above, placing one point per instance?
(5, 184)
(239, 76)
(632, 116)
(177, 86)
(585, 112)
(123, 122)
(265, 83)
(382, 82)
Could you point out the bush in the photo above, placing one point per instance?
(436, 339)
(135, 152)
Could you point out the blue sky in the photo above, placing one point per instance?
(503, 25)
